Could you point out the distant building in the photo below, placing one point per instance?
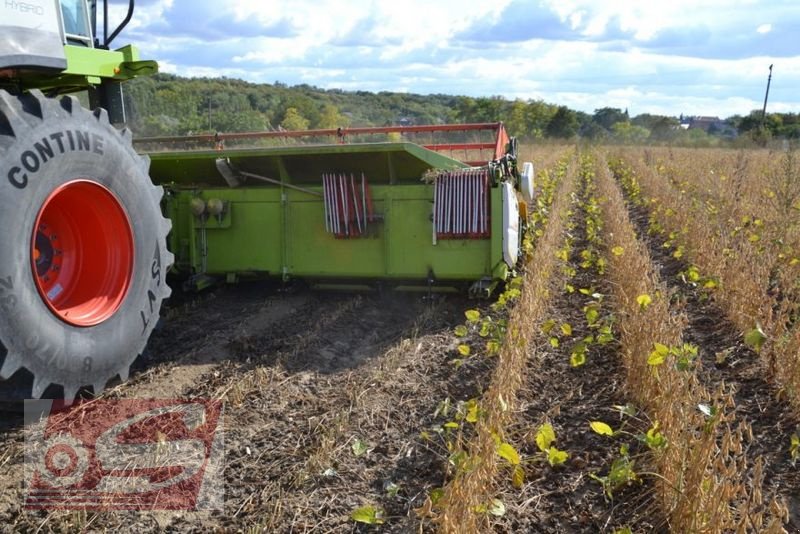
(710, 125)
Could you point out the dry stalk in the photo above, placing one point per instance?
(738, 220)
(701, 468)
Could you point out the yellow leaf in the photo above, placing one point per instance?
(556, 457)
(472, 411)
(576, 359)
(644, 301)
(545, 436)
(566, 329)
(369, 515)
(601, 428)
(656, 358)
(509, 453)
(755, 338)
(518, 477)
(617, 251)
(497, 508)
(472, 315)
(464, 350)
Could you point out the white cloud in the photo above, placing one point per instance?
(642, 19)
(648, 56)
(143, 16)
(400, 27)
(273, 50)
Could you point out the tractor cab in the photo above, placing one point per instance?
(32, 37)
(55, 47)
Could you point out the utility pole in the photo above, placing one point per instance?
(766, 96)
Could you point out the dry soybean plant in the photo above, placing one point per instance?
(737, 221)
(698, 460)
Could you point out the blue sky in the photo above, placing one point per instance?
(668, 57)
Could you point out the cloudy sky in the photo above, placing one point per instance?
(696, 57)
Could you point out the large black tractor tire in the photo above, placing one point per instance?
(83, 257)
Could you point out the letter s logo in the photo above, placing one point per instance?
(189, 455)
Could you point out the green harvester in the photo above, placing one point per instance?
(92, 220)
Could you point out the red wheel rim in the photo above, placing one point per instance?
(82, 253)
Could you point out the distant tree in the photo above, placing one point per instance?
(331, 118)
(593, 131)
(159, 125)
(760, 135)
(243, 121)
(489, 109)
(171, 105)
(697, 137)
(626, 132)
(790, 130)
(584, 119)
(515, 121)
(752, 121)
(293, 120)
(465, 108)
(537, 116)
(302, 104)
(608, 117)
(647, 120)
(564, 124)
(663, 128)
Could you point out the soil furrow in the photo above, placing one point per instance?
(566, 498)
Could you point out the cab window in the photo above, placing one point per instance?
(76, 21)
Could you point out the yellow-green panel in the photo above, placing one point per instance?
(412, 252)
(312, 251)
(260, 233)
(251, 243)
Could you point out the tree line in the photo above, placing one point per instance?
(171, 105)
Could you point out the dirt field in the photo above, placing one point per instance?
(335, 401)
(305, 376)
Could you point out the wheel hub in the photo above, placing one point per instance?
(44, 251)
(82, 253)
